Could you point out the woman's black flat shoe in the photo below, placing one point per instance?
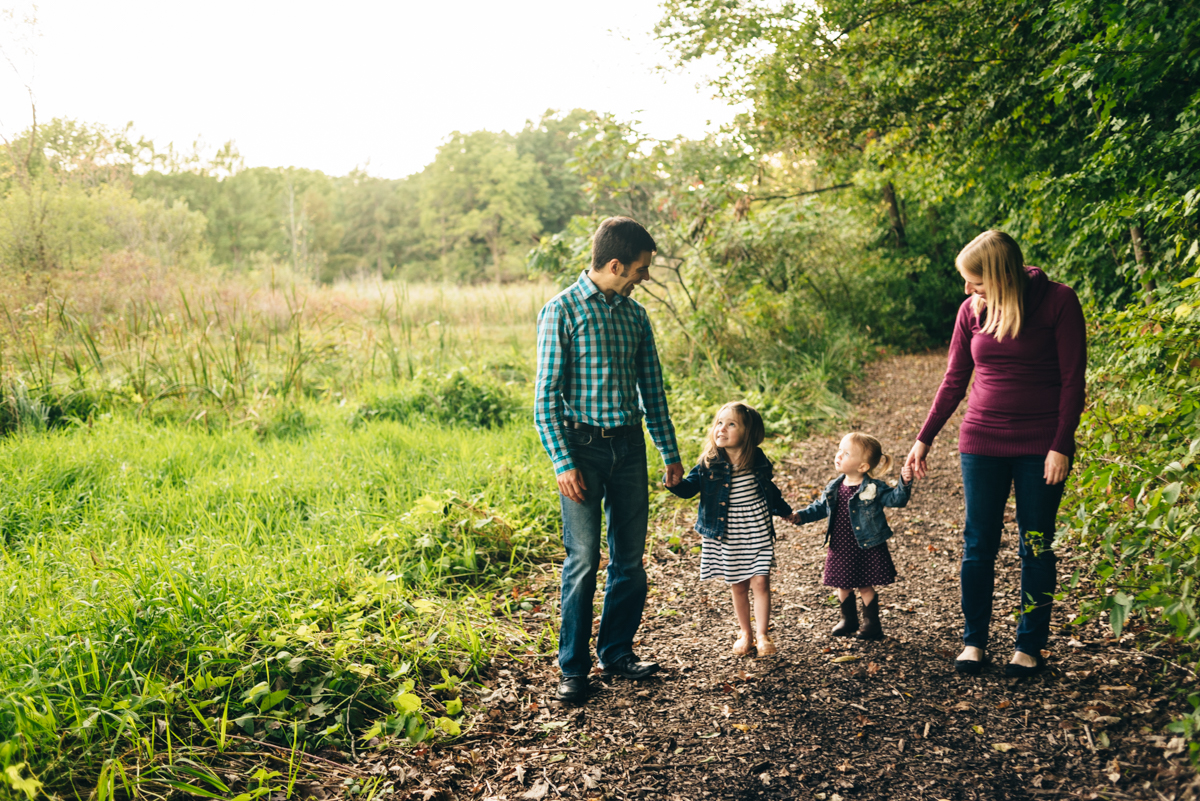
(971, 667)
(1014, 671)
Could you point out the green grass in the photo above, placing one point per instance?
(165, 589)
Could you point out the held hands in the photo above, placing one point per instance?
(914, 463)
(1057, 467)
(906, 473)
(673, 475)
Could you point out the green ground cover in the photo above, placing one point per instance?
(165, 588)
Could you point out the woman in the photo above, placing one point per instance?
(1022, 335)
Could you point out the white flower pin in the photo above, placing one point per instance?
(867, 493)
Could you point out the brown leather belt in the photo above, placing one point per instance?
(605, 433)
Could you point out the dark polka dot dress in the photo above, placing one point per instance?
(847, 565)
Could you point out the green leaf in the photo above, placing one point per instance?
(272, 700)
(449, 726)
(454, 706)
(31, 786)
(407, 702)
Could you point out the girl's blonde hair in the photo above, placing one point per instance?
(881, 463)
(752, 424)
(995, 257)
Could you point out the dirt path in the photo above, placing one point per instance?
(828, 718)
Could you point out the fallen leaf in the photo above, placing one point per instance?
(977, 729)
(1003, 748)
(726, 711)
(519, 770)
(537, 792)
(872, 669)
(742, 726)
(846, 658)
(1005, 704)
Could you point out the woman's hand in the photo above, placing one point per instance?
(1057, 467)
(915, 462)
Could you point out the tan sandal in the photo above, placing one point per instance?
(742, 646)
(766, 647)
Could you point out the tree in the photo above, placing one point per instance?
(1063, 123)
(480, 192)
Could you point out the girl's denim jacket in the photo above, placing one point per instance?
(866, 513)
(714, 483)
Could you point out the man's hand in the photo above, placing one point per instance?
(570, 484)
(1057, 467)
(916, 460)
(674, 474)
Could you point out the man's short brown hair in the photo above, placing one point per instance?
(622, 239)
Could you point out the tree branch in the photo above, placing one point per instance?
(801, 194)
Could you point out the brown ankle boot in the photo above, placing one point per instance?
(849, 622)
(872, 630)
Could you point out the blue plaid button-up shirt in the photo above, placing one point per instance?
(597, 364)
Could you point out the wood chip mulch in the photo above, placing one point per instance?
(828, 718)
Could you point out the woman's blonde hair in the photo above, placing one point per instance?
(995, 257)
(752, 424)
(880, 463)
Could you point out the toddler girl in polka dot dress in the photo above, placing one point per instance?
(858, 531)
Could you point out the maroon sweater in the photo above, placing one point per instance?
(1028, 391)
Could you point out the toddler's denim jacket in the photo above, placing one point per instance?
(866, 513)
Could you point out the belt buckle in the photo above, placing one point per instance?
(605, 435)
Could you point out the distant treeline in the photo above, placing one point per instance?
(71, 192)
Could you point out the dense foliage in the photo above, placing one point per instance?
(1073, 125)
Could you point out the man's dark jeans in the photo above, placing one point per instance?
(614, 471)
(987, 481)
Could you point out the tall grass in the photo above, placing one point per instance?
(232, 513)
(217, 352)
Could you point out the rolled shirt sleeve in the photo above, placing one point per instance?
(652, 396)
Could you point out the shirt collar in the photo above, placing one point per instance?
(587, 288)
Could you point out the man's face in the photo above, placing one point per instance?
(633, 275)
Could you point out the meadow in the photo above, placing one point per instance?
(228, 512)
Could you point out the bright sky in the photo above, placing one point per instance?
(332, 86)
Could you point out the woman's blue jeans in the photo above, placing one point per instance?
(987, 482)
(614, 472)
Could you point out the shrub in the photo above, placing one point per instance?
(455, 398)
(1136, 492)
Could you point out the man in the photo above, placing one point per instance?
(598, 376)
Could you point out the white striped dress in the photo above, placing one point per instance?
(747, 549)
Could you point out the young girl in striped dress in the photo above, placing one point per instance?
(737, 499)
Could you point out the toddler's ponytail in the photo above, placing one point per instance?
(882, 468)
(881, 463)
